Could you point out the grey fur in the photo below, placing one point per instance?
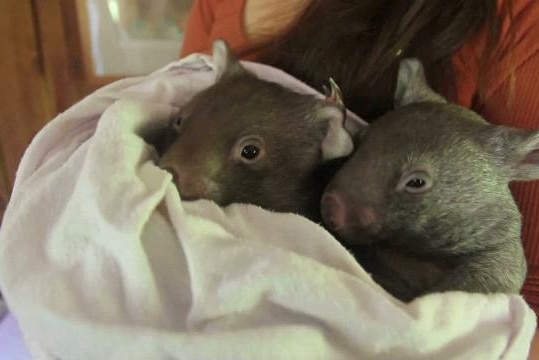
(463, 233)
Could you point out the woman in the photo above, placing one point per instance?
(480, 54)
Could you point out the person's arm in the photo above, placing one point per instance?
(265, 19)
(534, 349)
(513, 100)
(523, 112)
(244, 24)
(199, 27)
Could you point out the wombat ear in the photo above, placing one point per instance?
(524, 154)
(337, 142)
(334, 94)
(226, 64)
(412, 85)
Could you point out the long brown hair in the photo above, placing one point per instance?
(360, 42)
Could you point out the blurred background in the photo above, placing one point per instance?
(55, 52)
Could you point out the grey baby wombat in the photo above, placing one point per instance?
(247, 140)
(424, 201)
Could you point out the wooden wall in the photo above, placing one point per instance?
(41, 74)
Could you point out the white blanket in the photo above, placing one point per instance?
(100, 259)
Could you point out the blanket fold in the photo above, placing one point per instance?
(100, 258)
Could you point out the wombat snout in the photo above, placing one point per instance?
(342, 213)
(190, 188)
(333, 210)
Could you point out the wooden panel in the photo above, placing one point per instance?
(4, 188)
(43, 72)
(55, 55)
(73, 37)
(24, 101)
(63, 53)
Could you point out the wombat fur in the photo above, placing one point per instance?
(424, 201)
(247, 140)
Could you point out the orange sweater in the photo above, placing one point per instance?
(211, 19)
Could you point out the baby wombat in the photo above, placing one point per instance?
(246, 140)
(424, 201)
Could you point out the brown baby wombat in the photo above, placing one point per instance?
(247, 140)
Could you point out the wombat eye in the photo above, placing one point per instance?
(415, 183)
(249, 149)
(176, 122)
(250, 152)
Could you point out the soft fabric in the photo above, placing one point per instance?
(3, 308)
(516, 70)
(100, 258)
(12, 346)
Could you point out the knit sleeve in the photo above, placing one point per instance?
(199, 27)
(521, 109)
(213, 19)
(512, 99)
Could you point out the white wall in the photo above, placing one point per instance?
(115, 52)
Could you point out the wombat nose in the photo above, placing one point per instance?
(192, 190)
(333, 210)
(190, 187)
(172, 170)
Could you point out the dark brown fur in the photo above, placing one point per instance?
(292, 126)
